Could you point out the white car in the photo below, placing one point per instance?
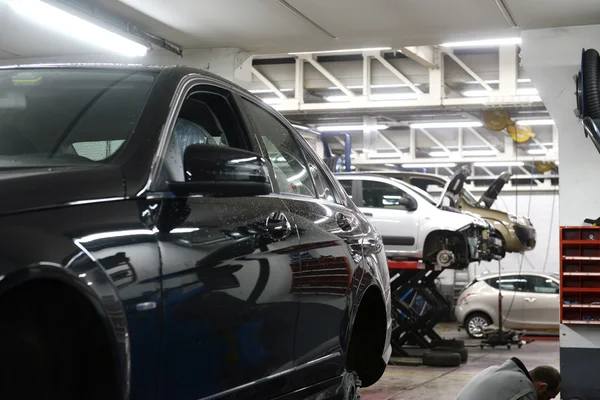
(416, 226)
(530, 300)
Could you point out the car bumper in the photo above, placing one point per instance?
(460, 312)
(526, 235)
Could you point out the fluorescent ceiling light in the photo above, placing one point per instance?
(465, 153)
(390, 165)
(72, 25)
(388, 86)
(342, 51)
(537, 152)
(375, 97)
(496, 81)
(535, 122)
(488, 93)
(499, 164)
(483, 43)
(272, 100)
(270, 91)
(432, 165)
(341, 128)
(449, 124)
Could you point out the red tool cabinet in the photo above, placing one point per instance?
(580, 275)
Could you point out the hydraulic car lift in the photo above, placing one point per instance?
(411, 281)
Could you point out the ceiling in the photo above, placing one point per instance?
(266, 26)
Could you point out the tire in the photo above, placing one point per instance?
(452, 343)
(463, 353)
(591, 83)
(351, 384)
(441, 359)
(473, 321)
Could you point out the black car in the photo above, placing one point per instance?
(165, 235)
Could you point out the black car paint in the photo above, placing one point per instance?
(168, 297)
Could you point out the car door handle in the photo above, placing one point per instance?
(530, 299)
(368, 214)
(278, 226)
(343, 221)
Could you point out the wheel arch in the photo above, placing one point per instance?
(430, 242)
(366, 344)
(53, 274)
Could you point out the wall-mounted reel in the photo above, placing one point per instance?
(587, 92)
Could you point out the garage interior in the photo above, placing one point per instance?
(386, 87)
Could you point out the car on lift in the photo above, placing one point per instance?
(517, 232)
(530, 301)
(165, 234)
(416, 226)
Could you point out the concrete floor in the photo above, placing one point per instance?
(421, 382)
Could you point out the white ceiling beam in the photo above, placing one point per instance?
(434, 140)
(425, 55)
(465, 67)
(328, 75)
(508, 70)
(390, 143)
(367, 76)
(268, 84)
(483, 140)
(397, 73)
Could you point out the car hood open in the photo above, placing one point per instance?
(491, 194)
(454, 187)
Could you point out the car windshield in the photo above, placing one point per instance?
(63, 116)
(417, 190)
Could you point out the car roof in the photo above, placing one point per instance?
(408, 173)
(505, 273)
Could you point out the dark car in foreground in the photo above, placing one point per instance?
(165, 235)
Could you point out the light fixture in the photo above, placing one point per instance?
(341, 51)
(499, 164)
(387, 86)
(537, 152)
(483, 43)
(431, 165)
(497, 81)
(488, 93)
(390, 165)
(376, 97)
(257, 91)
(535, 122)
(77, 27)
(448, 124)
(341, 128)
(272, 100)
(465, 153)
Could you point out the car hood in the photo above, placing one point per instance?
(23, 189)
(454, 187)
(491, 194)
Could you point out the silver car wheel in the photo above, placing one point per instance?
(476, 325)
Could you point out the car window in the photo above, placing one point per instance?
(347, 185)
(512, 283)
(541, 284)
(206, 117)
(420, 192)
(68, 115)
(323, 186)
(383, 195)
(291, 172)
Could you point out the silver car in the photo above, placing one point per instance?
(530, 301)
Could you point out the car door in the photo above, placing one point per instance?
(229, 315)
(398, 226)
(330, 246)
(542, 302)
(511, 286)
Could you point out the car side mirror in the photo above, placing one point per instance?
(222, 171)
(409, 203)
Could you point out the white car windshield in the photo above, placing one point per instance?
(418, 191)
